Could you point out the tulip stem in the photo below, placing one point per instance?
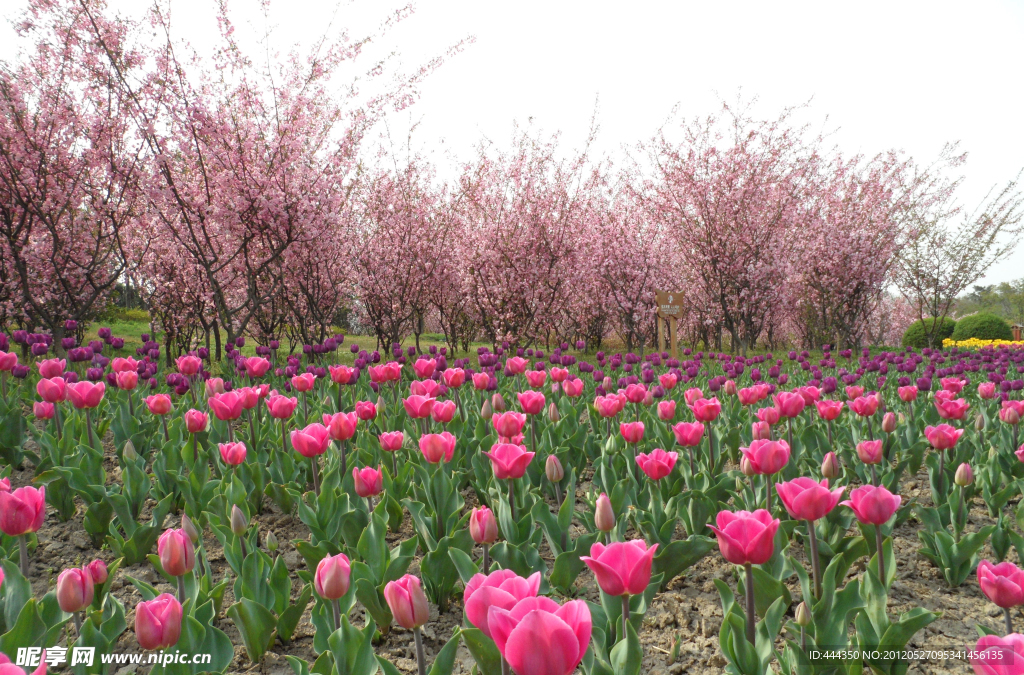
(316, 475)
(812, 538)
(336, 608)
(344, 461)
(881, 556)
(487, 559)
(625, 614)
(167, 434)
(751, 618)
(512, 496)
(505, 668)
(181, 589)
(394, 464)
(252, 430)
(874, 475)
(78, 622)
(88, 425)
(23, 550)
(1008, 620)
(284, 437)
(942, 470)
(768, 492)
(56, 420)
(421, 658)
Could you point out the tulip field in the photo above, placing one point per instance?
(517, 511)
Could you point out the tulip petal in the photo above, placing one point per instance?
(542, 644)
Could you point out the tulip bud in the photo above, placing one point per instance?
(889, 422)
(74, 590)
(747, 467)
(271, 542)
(964, 475)
(239, 523)
(902, 418)
(333, 577)
(190, 529)
(98, 570)
(830, 466)
(1010, 416)
(553, 469)
(380, 403)
(483, 527)
(497, 403)
(803, 614)
(761, 431)
(604, 517)
(553, 413)
(486, 411)
(979, 422)
(129, 453)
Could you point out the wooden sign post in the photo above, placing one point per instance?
(670, 308)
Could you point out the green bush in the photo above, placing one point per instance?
(918, 332)
(125, 315)
(983, 326)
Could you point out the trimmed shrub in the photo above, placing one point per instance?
(983, 326)
(917, 333)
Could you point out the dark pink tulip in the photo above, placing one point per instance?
(767, 457)
(304, 382)
(865, 406)
(51, 367)
(196, 421)
(657, 464)
(341, 426)
(692, 394)
(480, 381)
(177, 555)
(668, 381)
(22, 510)
(806, 499)
(342, 374)
(706, 410)
(418, 407)
(635, 393)
(390, 441)
(508, 424)
(454, 377)
(52, 390)
(126, 380)
(811, 395)
(333, 576)
(226, 407)
(425, 388)
(74, 589)
(7, 361)
(368, 481)
(438, 447)
(760, 431)
(509, 460)
(424, 368)
(536, 378)
(233, 454)
(158, 622)
(159, 404)
(745, 537)
(943, 437)
(250, 396)
(124, 365)
(311, 441)
(854, 391)
(532, 402)
(43, 410)
(953, 409)
(483, 526)
(85, 394)
(442, 412)
(873, 505)
(632, 432)
(953, 385)
(907, 394)
(366, 410)
(870, 452)
(994, 655)
(748, 396)
(790, 404)
(502, 589)
(769, 416)
(1003, 584)
(281, 407)
(188, 365)
(98, 569)
(407, 602)
(621, 568)
(607, 406)
(537, 637)
(829, 410)
(559, 374)
(572, 388)
(256, 366)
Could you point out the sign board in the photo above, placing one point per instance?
(670, 308)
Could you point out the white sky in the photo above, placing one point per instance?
(909, 75)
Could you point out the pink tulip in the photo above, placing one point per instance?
(249, 396)
(830, 465)
(537, 637)
(226, 407)
(86, 394)
(126, 380)
(952, 384)
(311, 441)
(424, 368)
(760, 431)
(368, 481)
(256, 366)
(865, 406)
(425, 388)
(508, 424)
(74, 590)
(158, 622)
(790, 404)
(366, 410)
(767, 457)
(1003, 584)
(987, 390)
(437, 447)
(214, 385)
(304, 382)
(769, 416)
(688, 434)
(196, 421)
(22, 510)
(454, 377)
(1009, 416)
(829, 410)
(442, 412)
(604, 516)
(341, 374)
(341, 426)
(509, 460)
(622, 568)
(407, 602)
(188, 365)
(607, 406)
(854, 391)
(572, 388)
(124, 365)
(480, 381)
(7, 361)
(635, 393)
(233, 454)
(532, 402)
(806, 499)
(98, 570)
(706, 410)
(870, 452)
(483, 526)
(159, 404)
(994, 655)
(744, 537)
(811, 395)
(390, 441)
(52, 390)
(5, 486)
(748, 396)
(536, 378)
(907, 394)
(418, 407)
(502, 589)
(666, 410)
(873, 505)
(943, 437)
(668, 381)
(658, 463)
(1017, 406)
(632, 432)
(692, 394)
(43, 410)
(177, 555)
(952, 409)
(51, 368)
(281, 407)
(333, 576)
